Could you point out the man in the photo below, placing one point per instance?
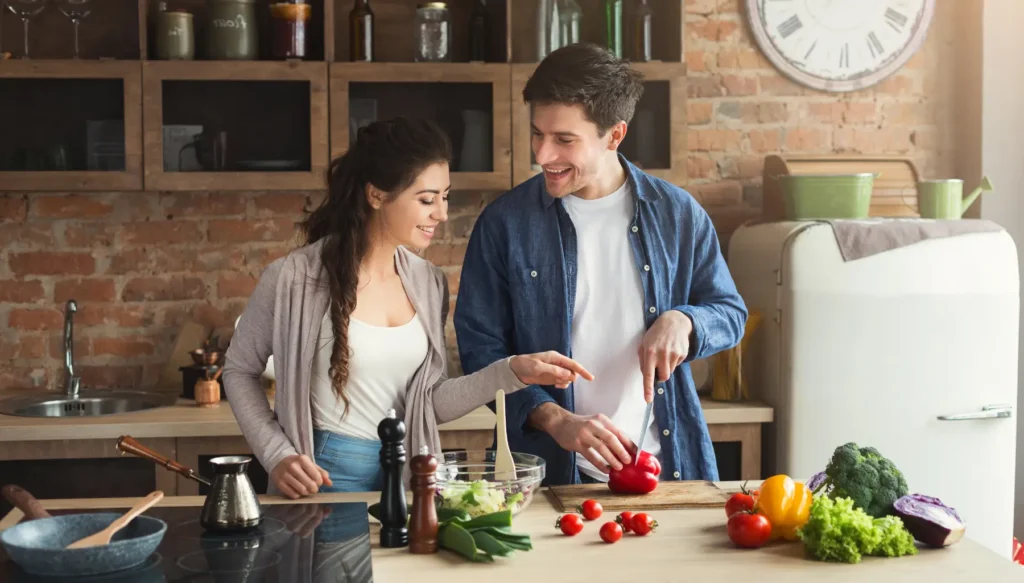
(610, 265)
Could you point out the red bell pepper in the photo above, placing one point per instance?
(638, 478)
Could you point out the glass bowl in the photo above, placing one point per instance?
(465, 480)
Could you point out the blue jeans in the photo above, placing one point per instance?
(353, 463)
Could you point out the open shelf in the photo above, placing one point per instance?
(655, 140)
(236, 107)
(668, 23)
(110, 31)
(394, 30)
(70, 125)
(443, 92)
(316, 29)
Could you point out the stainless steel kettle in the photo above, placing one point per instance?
(231, 504)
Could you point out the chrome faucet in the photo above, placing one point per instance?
(69, 356)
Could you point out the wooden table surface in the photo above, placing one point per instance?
(689, 545)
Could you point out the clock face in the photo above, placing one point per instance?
(839, 45)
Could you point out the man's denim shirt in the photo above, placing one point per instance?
(518, 288)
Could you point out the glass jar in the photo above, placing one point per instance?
(433, 32)
(290, 22)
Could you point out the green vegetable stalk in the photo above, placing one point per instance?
(837, 531)
(864, 475)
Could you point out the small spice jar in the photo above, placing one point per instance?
(433, 32)
(290, 23)
(175, 39)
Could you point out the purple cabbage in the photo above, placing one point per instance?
(816, 481)
(929, 520)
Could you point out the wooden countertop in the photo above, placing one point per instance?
(185, 419)
(688, 545)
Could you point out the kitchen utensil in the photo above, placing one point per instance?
(457, 470)
(231, 504)
(104, 536)
(643, 431)
(827, 196)
(944, 199)
(668, 495)
(211, 149)
(38, 544)
(504, 466)
(25, 502)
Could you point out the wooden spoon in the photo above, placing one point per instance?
(504, 465)
(104, 536)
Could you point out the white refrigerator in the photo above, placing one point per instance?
(912, 351)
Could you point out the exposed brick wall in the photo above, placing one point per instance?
(142, 263)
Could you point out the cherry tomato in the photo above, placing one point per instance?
(571, 524)
(740, 501)
(642, 523)
(749, 530)
(625, 519)
(591, 509)
(611, 532)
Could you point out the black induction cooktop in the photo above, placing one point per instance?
(295, 543)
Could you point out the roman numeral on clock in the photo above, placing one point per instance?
(790, 25)
(874, 45)
(844, 56)
(897, 20)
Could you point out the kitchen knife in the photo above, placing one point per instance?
(643, 431)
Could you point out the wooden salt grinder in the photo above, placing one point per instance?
(423, 522)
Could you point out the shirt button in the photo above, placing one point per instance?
(533, 274)
(635, 228)
(666, 432)
(661, 391)
(675, 475)
(647, 267)
(652, 309)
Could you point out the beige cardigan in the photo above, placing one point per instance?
(282, 319)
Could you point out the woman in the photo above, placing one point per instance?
(355, 322)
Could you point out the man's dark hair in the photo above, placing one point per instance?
(607, 87)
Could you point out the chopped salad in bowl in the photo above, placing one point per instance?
(465, 481)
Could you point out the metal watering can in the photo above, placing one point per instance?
(944, 199)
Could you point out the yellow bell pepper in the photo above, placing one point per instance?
(785, 503)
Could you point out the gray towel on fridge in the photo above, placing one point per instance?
(862, 238)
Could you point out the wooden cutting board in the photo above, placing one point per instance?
(668, 495)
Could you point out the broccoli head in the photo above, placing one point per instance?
(867, 477)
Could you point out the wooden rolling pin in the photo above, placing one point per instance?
(127, 444)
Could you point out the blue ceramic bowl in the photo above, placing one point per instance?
(39, 546)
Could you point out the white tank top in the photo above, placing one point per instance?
(382, 362)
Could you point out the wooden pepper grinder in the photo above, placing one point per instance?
(423, 523)
(393, 510)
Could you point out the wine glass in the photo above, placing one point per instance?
(26, 10)
(76, 10)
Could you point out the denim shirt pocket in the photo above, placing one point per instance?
(537, 292)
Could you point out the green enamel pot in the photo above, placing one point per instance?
(827, 196)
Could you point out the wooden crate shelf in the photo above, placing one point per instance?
(20, 121)
(665, 124)
(462, 85)
(308, 77)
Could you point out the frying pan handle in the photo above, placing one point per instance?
(127, 444)
(25, 502)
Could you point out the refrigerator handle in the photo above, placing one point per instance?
(987, 412)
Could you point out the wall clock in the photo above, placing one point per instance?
(839, 45)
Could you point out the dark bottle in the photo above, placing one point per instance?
(479, 31)
(642, 31)
(360, 31)
(613, 26)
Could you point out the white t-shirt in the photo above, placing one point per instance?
(608, 318)
(382, 362)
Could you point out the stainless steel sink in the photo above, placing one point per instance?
(75, 403)
(87, 404)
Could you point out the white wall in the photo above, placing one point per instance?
(1002, 157)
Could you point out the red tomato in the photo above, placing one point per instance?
(611, 532)
(625, 520)
(571, 524)
(591, 509)
(749, 530)
(739, 502)
(642, 524)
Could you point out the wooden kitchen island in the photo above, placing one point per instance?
(689, 545)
